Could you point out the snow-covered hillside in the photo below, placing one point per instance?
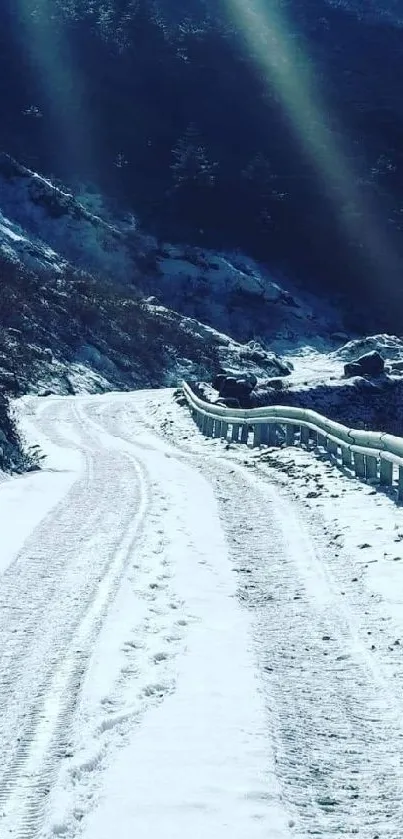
(230, 292)
(90, 303)
(151, 313)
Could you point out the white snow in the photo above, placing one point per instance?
(151, 716)
(200, 764)
(196, 639)
(26, 500)
(36, 494)
(312, 367)
(219, 274)
(11, 234)
(389, 346)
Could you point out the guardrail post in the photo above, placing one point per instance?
(235, 432)
(271, 434)
(400, 485)
(386, 473)
(332, 447)
(265, 433)
(209, 427)
(321, 442)
(217, 428)
(359, 465)
(224, 430)
(346, 456)
(244, 432)
(371, 467)
(304, 438)
(203, 423)
(257, 434)
(289, 434)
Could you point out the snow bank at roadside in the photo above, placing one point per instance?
(26, 500)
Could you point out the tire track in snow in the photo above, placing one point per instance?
(161, 631)
(334, 706)
(54, 623)
(335, 719)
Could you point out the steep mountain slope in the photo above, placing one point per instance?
(76, 312)
(90, 303)
(229, 291)
(76, 309)
(179, 111)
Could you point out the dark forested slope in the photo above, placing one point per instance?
(272, 127)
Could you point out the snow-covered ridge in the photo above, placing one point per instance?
(189, 312)
(16, 245)
(65, 332)
(230, 292)
(57, 222)
(390, 347)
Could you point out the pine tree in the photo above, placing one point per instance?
(191, 167)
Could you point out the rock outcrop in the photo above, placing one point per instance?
(371, 364)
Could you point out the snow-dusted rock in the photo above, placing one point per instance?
(388, 346)
(370, 364)
(242, 359)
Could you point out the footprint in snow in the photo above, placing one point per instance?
(158, 657)
(157, 689)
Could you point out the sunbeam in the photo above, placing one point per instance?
(58, 80)
(287, 69)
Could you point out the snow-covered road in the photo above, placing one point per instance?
(182, 652)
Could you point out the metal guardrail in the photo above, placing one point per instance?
(370, 455)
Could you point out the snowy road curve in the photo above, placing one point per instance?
(179, 654)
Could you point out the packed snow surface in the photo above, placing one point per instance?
(197, 640)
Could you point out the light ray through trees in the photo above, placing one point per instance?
(285, 63)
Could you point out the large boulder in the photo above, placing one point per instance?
(231, 387)
(275, 384)
(250, 378)
(241, 360)
(220, 379)
(371, 364)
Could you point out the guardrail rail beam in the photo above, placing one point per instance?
(371, 454)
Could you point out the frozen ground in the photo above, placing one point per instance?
(196, 640)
